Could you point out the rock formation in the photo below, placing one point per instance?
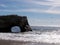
(9, 21)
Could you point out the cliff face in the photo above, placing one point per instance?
(9, 21)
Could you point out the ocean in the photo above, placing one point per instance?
(40, 35)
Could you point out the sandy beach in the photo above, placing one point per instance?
(10, 42)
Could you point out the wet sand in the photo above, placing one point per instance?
(9, 42)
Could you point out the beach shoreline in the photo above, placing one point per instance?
(12, 42)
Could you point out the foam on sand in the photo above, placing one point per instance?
(46, 37)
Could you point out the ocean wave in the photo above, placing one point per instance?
(34, 36)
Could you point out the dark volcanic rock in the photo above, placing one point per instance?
(9, 21)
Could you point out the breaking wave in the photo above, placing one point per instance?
(34, 36)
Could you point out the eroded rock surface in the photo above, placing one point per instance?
(9, 21)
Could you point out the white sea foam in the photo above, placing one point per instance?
(46, 37)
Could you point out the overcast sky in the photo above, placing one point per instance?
(39, 12)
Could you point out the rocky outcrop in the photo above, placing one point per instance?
(9, 21)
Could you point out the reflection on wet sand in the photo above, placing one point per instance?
(9, 42)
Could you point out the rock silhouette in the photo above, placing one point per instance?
(9, 21)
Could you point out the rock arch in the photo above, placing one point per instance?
(8, 21)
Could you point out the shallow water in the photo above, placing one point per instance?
(9, 42)
(34, 36)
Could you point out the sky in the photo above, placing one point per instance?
(38, 12)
